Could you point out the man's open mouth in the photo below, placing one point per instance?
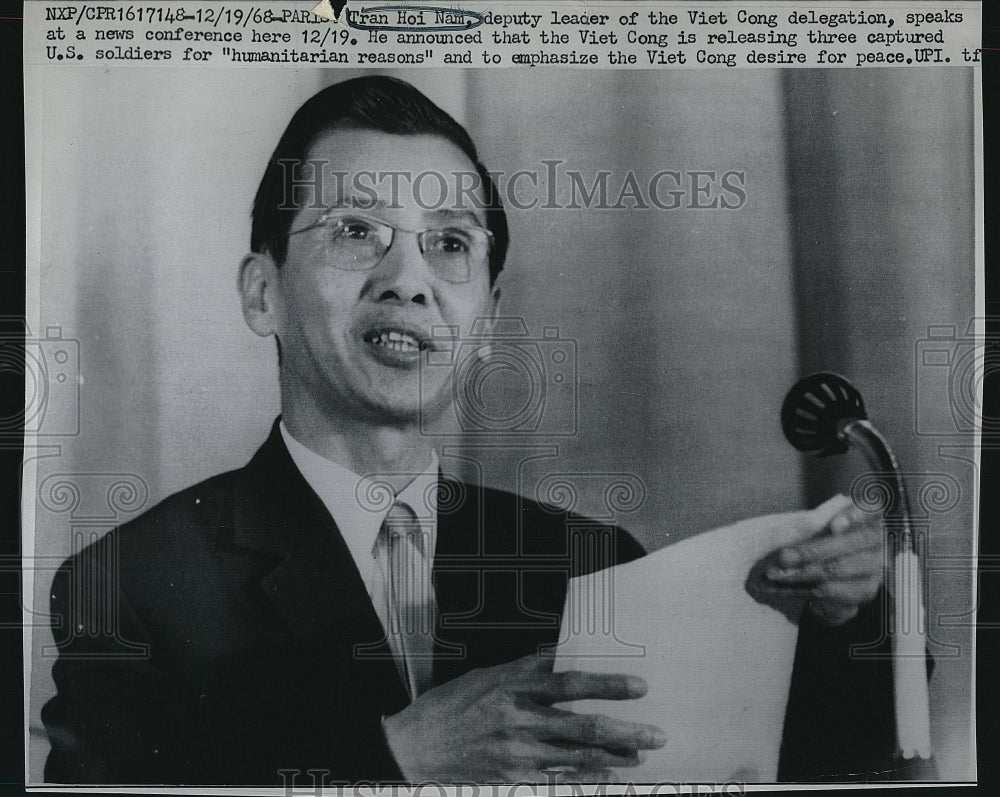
(397, 340)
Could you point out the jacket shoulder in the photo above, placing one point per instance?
(202, 506)
(544, 527)
(172, 536)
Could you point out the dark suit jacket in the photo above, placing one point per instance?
(226, 637)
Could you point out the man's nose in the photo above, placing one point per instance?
(403, 275)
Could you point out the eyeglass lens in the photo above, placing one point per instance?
(452, 253)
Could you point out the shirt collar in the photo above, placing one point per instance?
(359, 504)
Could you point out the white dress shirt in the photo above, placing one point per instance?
(359, 505)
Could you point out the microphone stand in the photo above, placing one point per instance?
(908, 622)
(824, 414)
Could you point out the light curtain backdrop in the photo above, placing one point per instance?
(690, 325)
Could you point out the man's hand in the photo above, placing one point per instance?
(497, 724)
(835, 571)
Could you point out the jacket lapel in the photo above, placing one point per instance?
(314, 585)
(457, 580)
(479, 578)
(315, 588)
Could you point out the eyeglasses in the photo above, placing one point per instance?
(358, 243)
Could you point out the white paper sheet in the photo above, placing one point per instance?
(718, 663)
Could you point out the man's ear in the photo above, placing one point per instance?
(485, 350)
(495, 298)
(257, 282)
(494, 305)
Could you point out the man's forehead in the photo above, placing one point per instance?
(365, 148)
(391, 171)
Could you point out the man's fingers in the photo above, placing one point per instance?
(833, 613)
(527, 668)
(578, 685)
(835, 571)
(600, 731)
(853, 592)
(850, 516)
(852, 565)
(866, 585)
(764, 590)
(828, 546)
(585, 759)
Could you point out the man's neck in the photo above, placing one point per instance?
(360, 446)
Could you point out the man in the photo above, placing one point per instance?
(337, 605)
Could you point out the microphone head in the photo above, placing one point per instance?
(813, 410)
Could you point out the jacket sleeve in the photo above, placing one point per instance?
(117, 716)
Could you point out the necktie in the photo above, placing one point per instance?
(411, 605)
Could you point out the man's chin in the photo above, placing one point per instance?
(408, 411)
(400, 398)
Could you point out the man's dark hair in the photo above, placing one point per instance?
(379, 103)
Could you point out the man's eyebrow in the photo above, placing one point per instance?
(342, 201)
(450, 214)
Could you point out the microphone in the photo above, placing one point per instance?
(823, 414)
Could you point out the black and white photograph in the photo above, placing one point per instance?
(543, 424)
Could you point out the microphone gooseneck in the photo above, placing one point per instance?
(823, 414)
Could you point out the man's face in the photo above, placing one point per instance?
(347, 337)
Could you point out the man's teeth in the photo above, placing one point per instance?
(397, 341)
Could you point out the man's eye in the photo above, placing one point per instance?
(353, 230)
(452, 242)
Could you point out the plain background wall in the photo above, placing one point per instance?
(689, 325)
